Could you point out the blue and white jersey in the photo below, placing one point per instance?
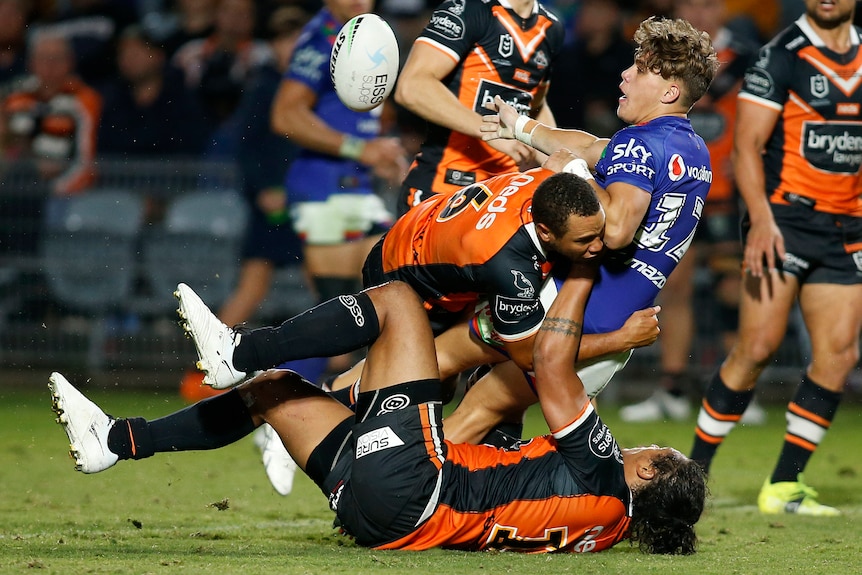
(314, 176)
(668, 160)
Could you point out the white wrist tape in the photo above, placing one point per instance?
(579, 168)
(351, 147)
(520, 134)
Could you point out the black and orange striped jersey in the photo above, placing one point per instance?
(479, 242)
(498, 53)
(815, 152)
(565, 491)
(60, 129)
(713, 116)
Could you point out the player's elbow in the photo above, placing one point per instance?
(408, 92)
(617, 236)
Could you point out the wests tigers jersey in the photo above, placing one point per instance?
(498, 54)
(815, 151)
(560, 492)
(481, 240)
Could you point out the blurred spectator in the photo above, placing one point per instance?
(182, 22)
(148, 112)
(217, 67)
(716, 244)
(92, 27)
(13, 44)
(586, 79)
(48, 142)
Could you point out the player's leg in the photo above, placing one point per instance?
(763, 314)
(833, 317)
(98, 440)
(670, 399)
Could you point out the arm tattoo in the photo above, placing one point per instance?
(561, 325)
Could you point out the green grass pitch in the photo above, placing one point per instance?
(215, 512)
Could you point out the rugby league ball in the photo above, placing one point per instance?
(364, 62)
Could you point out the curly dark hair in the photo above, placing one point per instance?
(560, 196)
(665, 510)
(673, 48)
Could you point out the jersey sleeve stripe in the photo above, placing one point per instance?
(582, 416)
(447, 51)
(760, 101)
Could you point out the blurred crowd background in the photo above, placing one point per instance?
(151, 105)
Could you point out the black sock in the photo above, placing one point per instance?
(337, 326)
(208, 424)
(809, 416)
(721, 410)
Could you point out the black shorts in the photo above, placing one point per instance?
(277, 243)
(384, 488)
(815, 245)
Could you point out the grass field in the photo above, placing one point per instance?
(214, 512)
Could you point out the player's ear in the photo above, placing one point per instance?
(544, 232)
(672, 93)
(646, 470)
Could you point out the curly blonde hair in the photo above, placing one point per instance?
(673, 48)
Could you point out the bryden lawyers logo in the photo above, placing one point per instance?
(675, 168)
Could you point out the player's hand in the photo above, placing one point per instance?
(522, 154)
(387, 158)
(641, 328)
(559, 159)
(501, 124)
(764, 248)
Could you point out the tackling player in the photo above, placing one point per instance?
(391, 477)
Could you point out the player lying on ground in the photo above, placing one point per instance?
(391, 477)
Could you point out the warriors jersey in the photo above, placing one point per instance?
(714, 115)
(814, 155)
(314, 176)
(478, 242)
(560, 492)
(498, 53)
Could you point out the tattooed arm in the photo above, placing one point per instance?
(555, 351)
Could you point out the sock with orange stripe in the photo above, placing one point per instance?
(208, 424)
(809, 415)
(721, 410)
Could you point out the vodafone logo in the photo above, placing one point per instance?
(675, 168)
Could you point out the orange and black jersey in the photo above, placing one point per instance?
(477, 243)
(61, 129)
(498, 53)
(815, 152)
(560, 492)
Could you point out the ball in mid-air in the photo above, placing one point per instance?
(364, 62)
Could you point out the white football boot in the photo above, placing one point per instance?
(215, 342)
(86, 425)
(279, 465)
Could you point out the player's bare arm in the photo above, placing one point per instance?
(560, 390)
(505, 124)
(421, 90)
(754, 125)
(293, 116)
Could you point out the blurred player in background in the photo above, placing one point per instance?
(469, 53)
(330, 184)
(797, 166)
